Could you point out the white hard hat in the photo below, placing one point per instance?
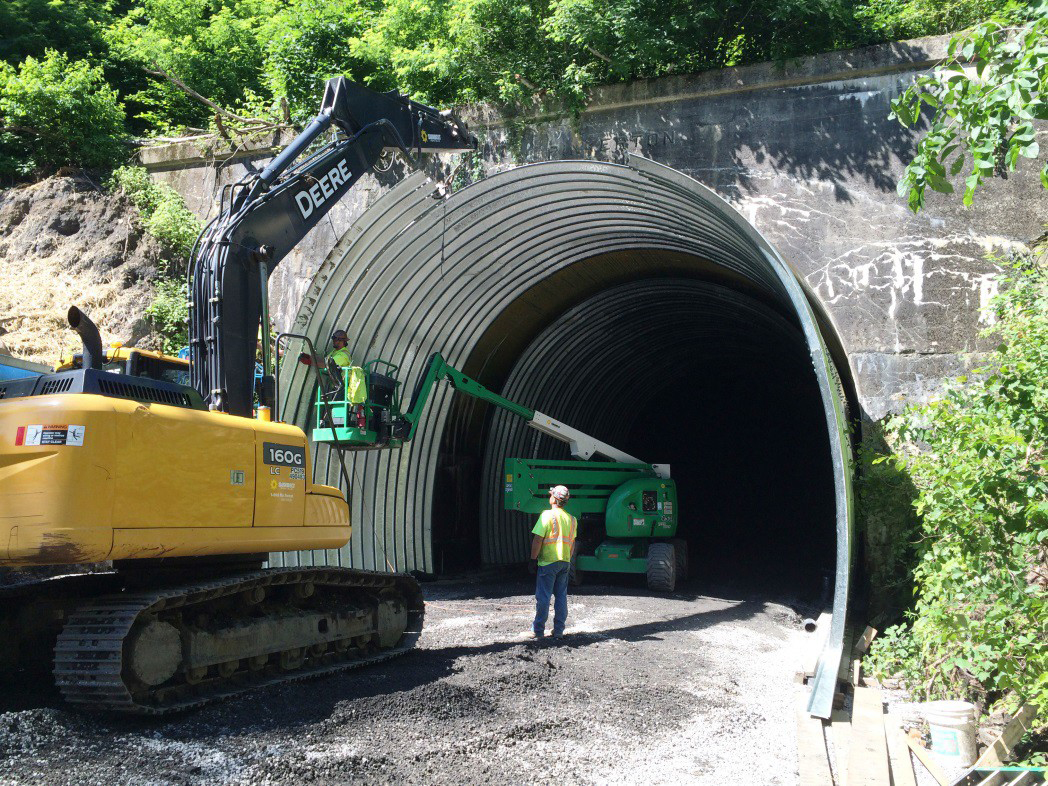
(560, 492)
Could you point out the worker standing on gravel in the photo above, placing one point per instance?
(551, 546)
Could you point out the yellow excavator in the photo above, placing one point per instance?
(182, 489)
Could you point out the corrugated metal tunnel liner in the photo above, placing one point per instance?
(484, 276)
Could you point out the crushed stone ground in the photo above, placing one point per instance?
(689, 688)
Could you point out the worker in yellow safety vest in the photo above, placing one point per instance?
(340, 354)
(551, 546)
(356, 385)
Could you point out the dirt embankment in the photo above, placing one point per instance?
(63, 242)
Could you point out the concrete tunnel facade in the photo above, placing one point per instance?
(629, 301)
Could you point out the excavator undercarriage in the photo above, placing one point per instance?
(123, 643)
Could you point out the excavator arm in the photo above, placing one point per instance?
(266, 215)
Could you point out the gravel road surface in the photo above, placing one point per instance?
(690, 688)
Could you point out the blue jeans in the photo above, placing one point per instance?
(552, 580)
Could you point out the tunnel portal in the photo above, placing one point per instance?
(627, 300)
(674, 370)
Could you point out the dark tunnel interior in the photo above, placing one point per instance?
(747, 447)
(685, 370)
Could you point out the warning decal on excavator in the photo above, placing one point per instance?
(50, 434)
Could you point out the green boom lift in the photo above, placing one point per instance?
(627, 509)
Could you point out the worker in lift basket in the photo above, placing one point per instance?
(356, 389)
(551, 546)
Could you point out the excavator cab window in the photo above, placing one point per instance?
(162, 368)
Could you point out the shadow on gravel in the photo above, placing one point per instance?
(609, 586)
(286, 707)
(391, 689)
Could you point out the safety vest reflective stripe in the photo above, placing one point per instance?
(555, 524)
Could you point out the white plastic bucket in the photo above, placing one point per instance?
(952, 726)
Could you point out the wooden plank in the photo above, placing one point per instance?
(996, 754)
(925, 757)
(864, 642)
(812, 758)
(840, 729)
(868, 751)
(856, 672)
(898, 753)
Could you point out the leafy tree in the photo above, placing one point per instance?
(308, 41)
(985, 99)
(504, 53)
(897, 20)
(978, 454)
(211, 46)
(163, 211)
(73, 27)
(410, 48)
(168, 315)
(623, 39)
(58, 112)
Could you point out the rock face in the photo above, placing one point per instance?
(66, 242)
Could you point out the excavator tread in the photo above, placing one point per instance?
(89, 667)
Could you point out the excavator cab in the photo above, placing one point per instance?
(135, 362)
(354, 416)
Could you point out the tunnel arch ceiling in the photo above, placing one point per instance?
(500, 272)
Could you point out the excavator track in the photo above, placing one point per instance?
(172, 648)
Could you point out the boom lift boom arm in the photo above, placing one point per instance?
(582, 446)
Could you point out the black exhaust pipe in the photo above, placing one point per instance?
(79, 322)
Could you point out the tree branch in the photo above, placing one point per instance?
(30, 130)
(194, 94)
(601, 55)
(524, 81)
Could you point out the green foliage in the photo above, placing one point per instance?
(73, 27)
(978, 457)
(169, 315)
(307, 42)
(166, 217)
(903, 19)
(985, 99)
(884, 497)
(409, 46)
(163, 211)
(261, 58)
(494, 50)
(58, 112)
(633, 38)
(212, 46)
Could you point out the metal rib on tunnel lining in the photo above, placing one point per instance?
(418, 274)
(599, 364)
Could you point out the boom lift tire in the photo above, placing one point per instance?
(680, 551)
(662, 567)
